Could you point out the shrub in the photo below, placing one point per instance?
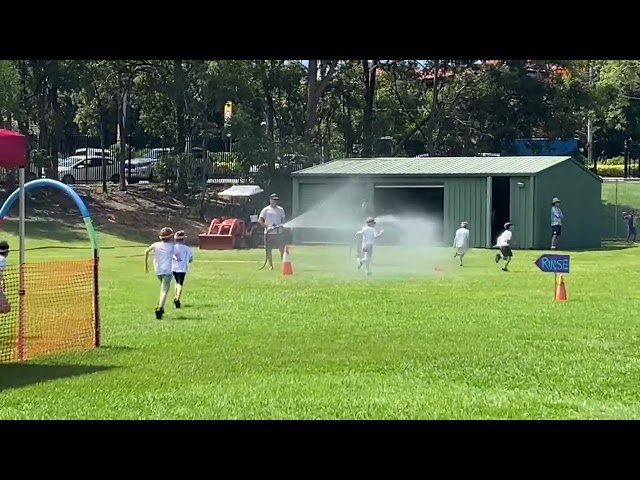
(609, 170)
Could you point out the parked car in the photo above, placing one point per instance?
(142, 168)
(79, 168)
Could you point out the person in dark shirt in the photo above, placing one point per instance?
(630, 217)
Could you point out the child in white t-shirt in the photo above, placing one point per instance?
(180, 267)
(461, 241)
(5, 306)
(369, 235)
(163, 253)
(504, 244)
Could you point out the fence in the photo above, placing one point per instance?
(80, 161)
(618, 196)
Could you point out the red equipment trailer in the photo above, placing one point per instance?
(230, 233)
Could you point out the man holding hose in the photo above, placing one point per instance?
(272, 218)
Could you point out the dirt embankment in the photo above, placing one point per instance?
(137, 214)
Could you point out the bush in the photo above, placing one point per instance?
(615, 161)
(609, 170)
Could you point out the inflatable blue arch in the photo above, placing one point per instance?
(45, 182)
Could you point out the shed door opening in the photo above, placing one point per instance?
(407, 201)
(500, 205)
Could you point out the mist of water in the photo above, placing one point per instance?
(410, 246)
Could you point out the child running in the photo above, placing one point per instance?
(179, 267)
(504, 244)
(461, 241)
(5, 306)
(369, 236)
(163, 253)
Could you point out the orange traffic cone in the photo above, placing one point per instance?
(286, 267)
(561, 291)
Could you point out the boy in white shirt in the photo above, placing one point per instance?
(504, 244)
(179, 267)
(369, 236)
(163, 252)
(5, 306)
(461, 241)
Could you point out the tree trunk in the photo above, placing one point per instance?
(122, 120)
(56, 134)
(179, 91)
(433, 114)
(369, 82)
(315, 89)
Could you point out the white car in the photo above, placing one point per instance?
(141, 169)
(80, 169)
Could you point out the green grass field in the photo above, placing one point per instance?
(330, 343)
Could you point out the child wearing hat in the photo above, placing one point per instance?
(556, 222)
(369, 236)
(163, 255)
(179, 267)
(5, 306)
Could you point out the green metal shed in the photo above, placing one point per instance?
(485, 191)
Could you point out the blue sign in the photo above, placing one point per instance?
(549, 263)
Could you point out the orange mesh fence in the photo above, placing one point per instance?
(58, 313)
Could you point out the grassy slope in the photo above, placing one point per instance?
(330, 343)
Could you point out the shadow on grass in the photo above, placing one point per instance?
(17, 375)
(608, 247)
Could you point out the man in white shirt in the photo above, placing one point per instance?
(504, 244)
(163, 253)
(556, 222)
(369, 235)
(461, 241)
(272, 218)
(179, 267)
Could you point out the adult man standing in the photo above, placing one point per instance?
(556, 222)
(272, 217)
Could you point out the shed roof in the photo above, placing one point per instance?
(437, 166)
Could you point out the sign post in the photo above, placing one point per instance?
(556, 264)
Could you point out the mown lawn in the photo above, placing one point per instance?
(329, 343)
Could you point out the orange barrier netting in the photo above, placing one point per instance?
(58, 312)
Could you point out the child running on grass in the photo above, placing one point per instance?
(179, 267)
(504, 244)
(461, 241)
(163, 253)
(5, 306)
(369, 236)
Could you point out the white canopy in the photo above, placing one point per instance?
(241, 191)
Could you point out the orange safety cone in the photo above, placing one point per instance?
(561, 291)
(286, 267)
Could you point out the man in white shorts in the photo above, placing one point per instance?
(163, 254)
(272, 217)
(461, 241)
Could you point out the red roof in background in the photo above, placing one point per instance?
(13, 149)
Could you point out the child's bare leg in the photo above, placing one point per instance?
(164, 290)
